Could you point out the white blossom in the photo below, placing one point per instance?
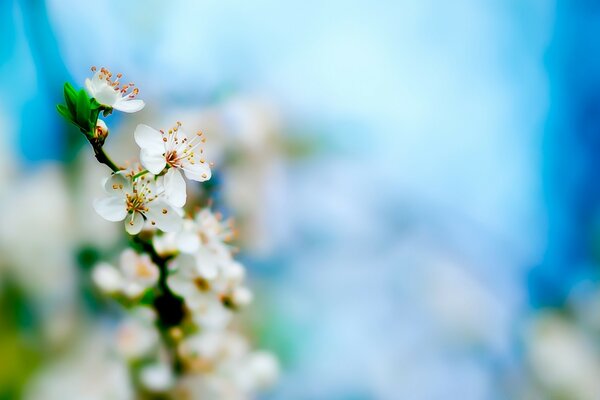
(137, 336)
(225, 365)
(175, 150)
(111, 93)
(157, 377)
(208, 229)
(136, 273)
(134, 201)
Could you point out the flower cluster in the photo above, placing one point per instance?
(179, 281)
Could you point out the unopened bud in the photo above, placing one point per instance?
(101, 131)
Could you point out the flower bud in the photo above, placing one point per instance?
(101, 131)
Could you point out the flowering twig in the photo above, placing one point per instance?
(186, 275)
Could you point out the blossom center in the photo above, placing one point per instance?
(202, 284)
(172, 158)
(143, 270)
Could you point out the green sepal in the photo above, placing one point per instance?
(147, 298)
(83, 111)
(70, 98)
(64, 111)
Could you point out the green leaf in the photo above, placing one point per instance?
(70, 98)
(83, 110)
(64, 111)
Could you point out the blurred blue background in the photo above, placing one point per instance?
(440, 238)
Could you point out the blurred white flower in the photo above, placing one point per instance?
(225, 363)
(563, 359)
(137, 200)
(258, 371)
(88, 370)
(136, 273)
(157, 377)
(109, 92)
(137, 336)
(177, 151)
(193, 278)
(206, 230)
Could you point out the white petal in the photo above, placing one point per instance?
(175, 189)
(107, 278)
(90, 87)
(166, 218)
(106, 94)
(198, 171)
(165, 244)
(180, 285)
(188, 242)
(211, 315)
(185, 266)
(128, 260)
(263, 369)
(149, 138)
(207, 263)
(134, 223)
(242, 296)
(129, 106)
(139, 268)
(134, 289)
(234, 272)
(111, 208)
(157, 377)
(153, 162)
(117, 184)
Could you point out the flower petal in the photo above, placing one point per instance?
(106, 94)
(149, 138)
(90, 87)
(197, 172)
(188, 241)
(175, 189)
(134, 223)
(180, 285)
(211, 314)
(111, 208)
(152, 161)
(107, 278)
(207, 263)
(185, 267)
(127, 261)
(117, 184)
(166, 218)
(129, 106)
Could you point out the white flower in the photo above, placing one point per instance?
(110, 93)
(135, 275)
(261, 370)
(206, 230)
(195, 279)
(137, 336)
(157, 377)
(174, 149)
(225, 357)
(137, 200)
